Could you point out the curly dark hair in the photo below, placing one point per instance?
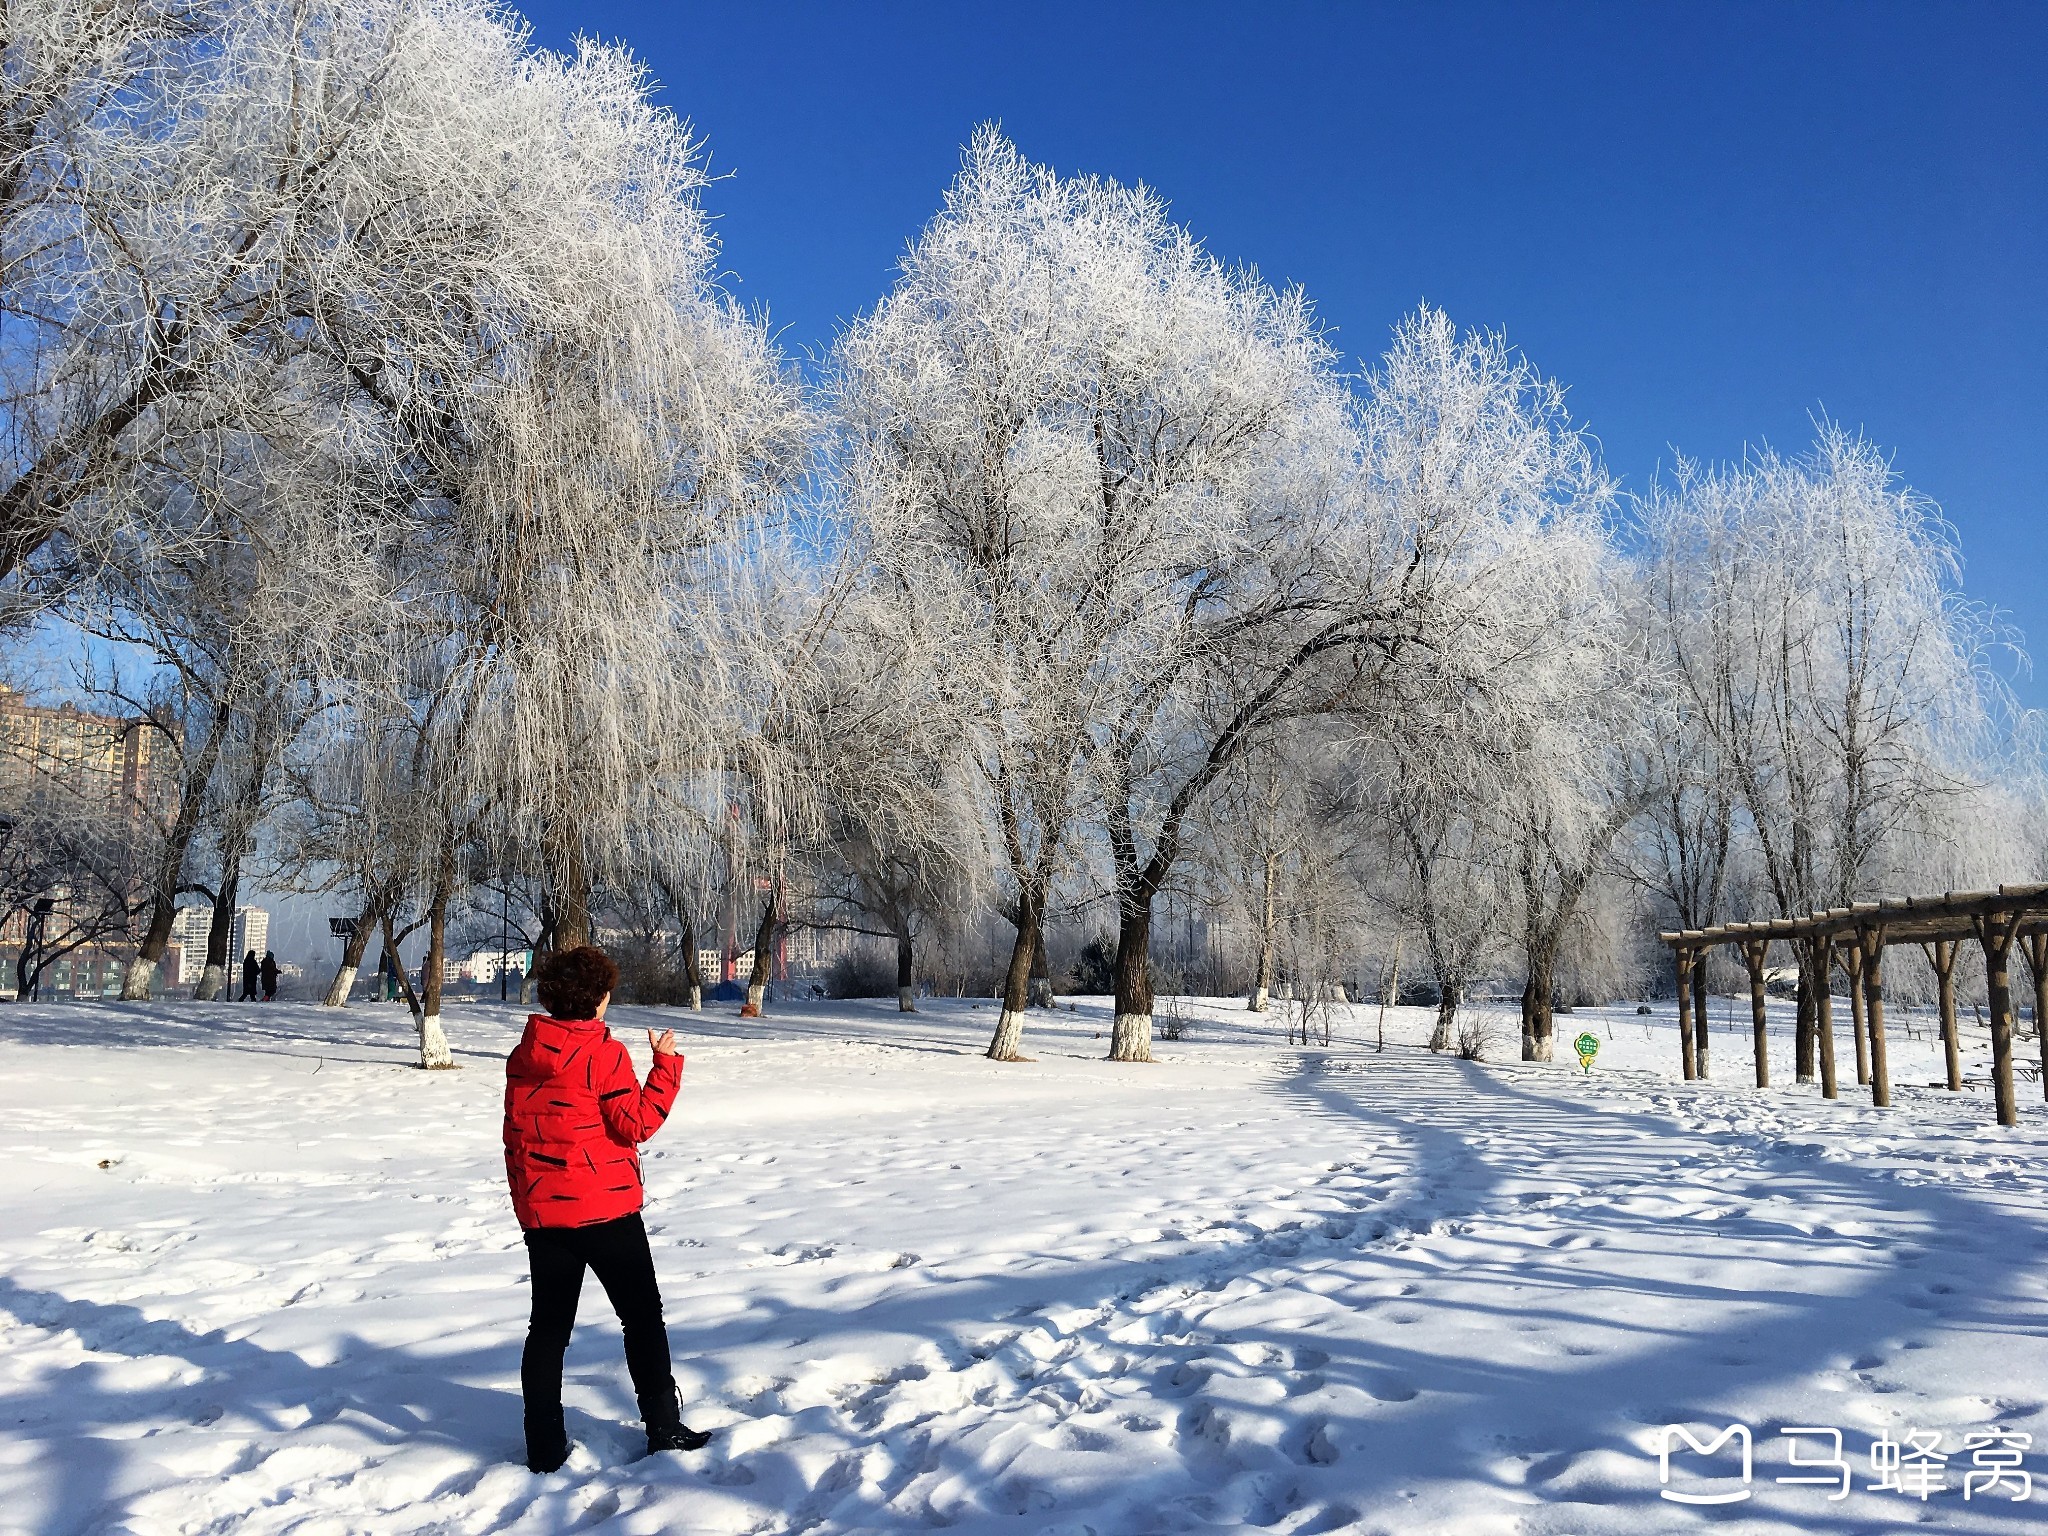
(572, 982)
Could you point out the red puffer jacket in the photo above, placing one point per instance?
(574, 1118)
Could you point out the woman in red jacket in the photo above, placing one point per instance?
(575, 1116)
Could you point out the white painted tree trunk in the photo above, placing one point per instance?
(1009, 1035)
(209, 986)
(136, 983)
(1446, 1012)
(906, 1000)
(1131, 1039)
(1392, 990)
(434, 1052)
(344, 983)
(757, 995)
(1262, 976)
(696, 997)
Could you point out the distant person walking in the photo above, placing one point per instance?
(575, 1115)
(250, 971)
(268, 971)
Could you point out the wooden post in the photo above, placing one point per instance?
(1802, 1038)
(1995, 932)
(1852, 961)
(1684, 957)
(1824, 1013)
(1754, 952)
(1699, 1013)
(2036, 944)
(1871, 941)
(1941, 954)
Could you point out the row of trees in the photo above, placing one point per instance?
(376, 428)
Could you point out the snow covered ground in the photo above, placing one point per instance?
(258, 1275)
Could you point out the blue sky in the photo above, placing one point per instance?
(1709, 221)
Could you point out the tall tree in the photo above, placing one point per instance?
(1813, 616)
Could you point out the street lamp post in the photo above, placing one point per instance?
(32, 944)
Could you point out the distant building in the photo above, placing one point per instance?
(252, 931)
(711, 966)
(110, 763)
(485, 964)
(188, 936)
(107, 759)
(189, 930)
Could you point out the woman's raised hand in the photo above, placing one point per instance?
(664, 1044)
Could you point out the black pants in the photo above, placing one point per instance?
(617, 1251)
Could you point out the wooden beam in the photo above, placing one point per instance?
(1802, 1029)
(1754, 953)
(1995, 933)
(1904, 918)
(1941, 954)
(1824, 1014)
(1684, 962)
(1871, 940)
(1852, 959)
(1699, 1017)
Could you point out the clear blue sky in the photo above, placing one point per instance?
(1709, 221)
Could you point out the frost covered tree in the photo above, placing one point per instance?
(244, 797)
(1577, 774)
(1378, 565)
(1253, 827)
(385, 287)
(569, 455)
(900, 851)
(1811, 611)
(1496, 501)
(1455, 885)
(204, 681)
(1221, 460)
(109, 309)
(966, 402)
(1135, 472)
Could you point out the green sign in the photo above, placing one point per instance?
(1588, 1046)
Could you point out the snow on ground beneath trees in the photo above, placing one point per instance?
(260, 1275)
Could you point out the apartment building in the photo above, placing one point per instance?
(188, 934)
(111, 764)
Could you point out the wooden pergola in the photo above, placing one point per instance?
(1998, 920)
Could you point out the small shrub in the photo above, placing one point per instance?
(1477, 1033)
(650, 974)
(1169, 1018)
(1094, 973)
(861, 973)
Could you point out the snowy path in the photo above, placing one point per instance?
(1297, 1290)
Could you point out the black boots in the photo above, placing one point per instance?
(666, 1430)
(677, 1437)
(547, 1442)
